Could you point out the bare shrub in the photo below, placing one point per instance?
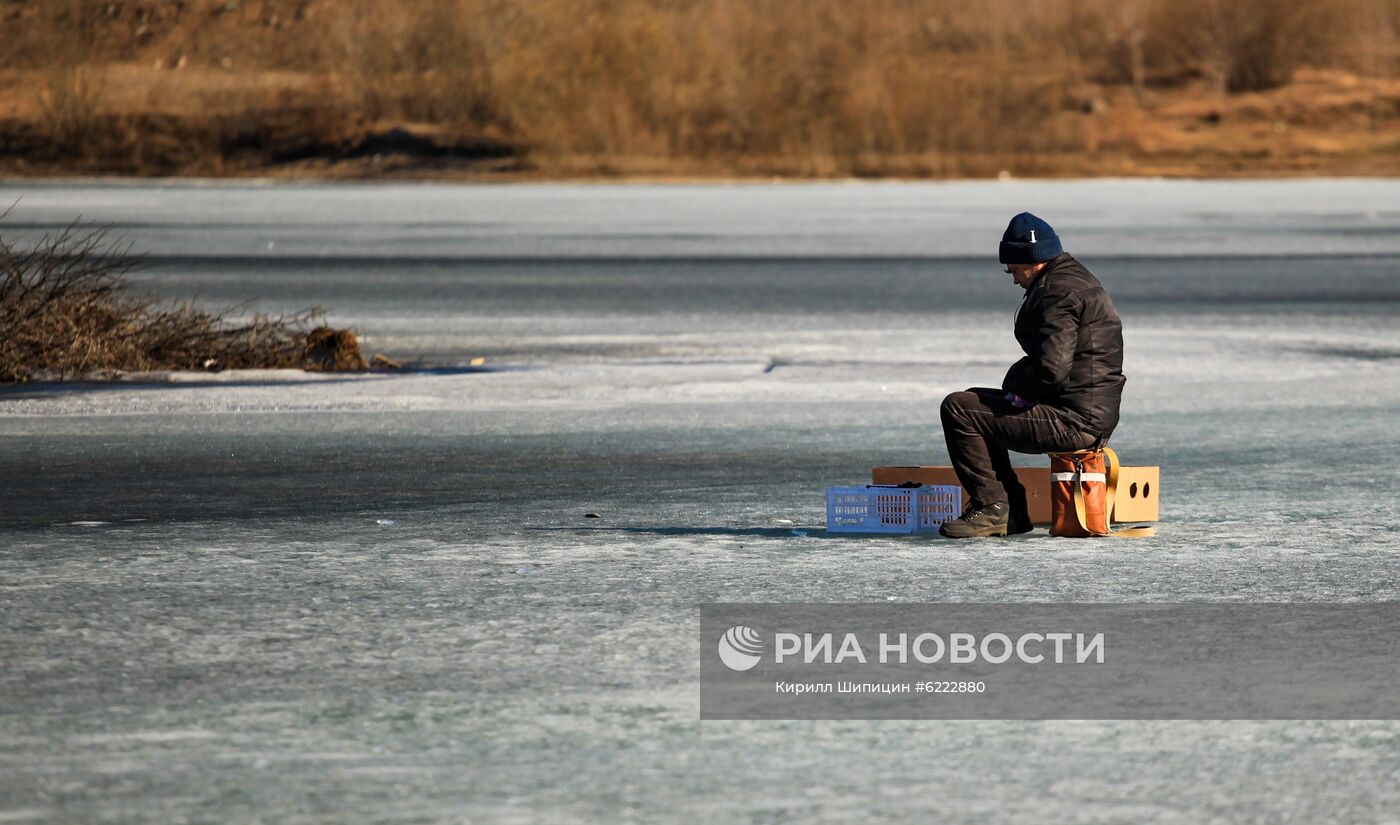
(820, 86)
(418, 60)
(68, 109)
(1247, 45)
(67, 309)
(52, 34)
(1374, 38)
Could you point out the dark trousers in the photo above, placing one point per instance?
(980, 425)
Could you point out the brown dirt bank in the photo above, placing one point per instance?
(681, 89)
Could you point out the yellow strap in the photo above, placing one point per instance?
(1079, 508)
(1110, 459)
(1139, 532)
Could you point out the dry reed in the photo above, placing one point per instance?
(798, 86)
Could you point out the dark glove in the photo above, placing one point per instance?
(1020, 380)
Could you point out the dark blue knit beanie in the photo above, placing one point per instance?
(1029, 240)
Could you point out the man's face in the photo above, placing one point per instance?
(1023, 274)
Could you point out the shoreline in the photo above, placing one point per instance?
(1261, 176)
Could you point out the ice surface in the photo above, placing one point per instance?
(285, 597)
(1103, 217)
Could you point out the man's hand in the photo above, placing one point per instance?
(1018, 402)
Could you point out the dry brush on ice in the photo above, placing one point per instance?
(68, 309)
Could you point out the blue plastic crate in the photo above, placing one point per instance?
(876, 508)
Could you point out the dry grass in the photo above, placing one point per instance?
(68, 310)
(819, 87)
(68, 107)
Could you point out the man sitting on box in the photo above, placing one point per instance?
(1061, 397)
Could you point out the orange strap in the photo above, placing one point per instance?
(1111, 467)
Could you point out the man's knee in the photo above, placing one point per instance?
(955, 403)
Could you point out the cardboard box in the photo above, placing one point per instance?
(1138, 494)
(1138, 489)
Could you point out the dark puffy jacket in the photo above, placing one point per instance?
(1073, 341)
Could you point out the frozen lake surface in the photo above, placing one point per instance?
(262, 597)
